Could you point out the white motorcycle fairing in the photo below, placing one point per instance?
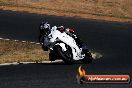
(56, 35)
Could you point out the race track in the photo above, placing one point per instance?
(112, 39)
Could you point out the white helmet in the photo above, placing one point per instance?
(45, 25)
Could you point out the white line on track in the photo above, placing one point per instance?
(6, 64)
(16, 40)
(1, 38)
(32, 42)
(56, 61)
(23, 41)
(37, 43)
(20, 41)
(7, 39)
(43, 62)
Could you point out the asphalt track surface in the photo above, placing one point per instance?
(112, 39)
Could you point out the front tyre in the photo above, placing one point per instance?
(66, 56)
(52, 56)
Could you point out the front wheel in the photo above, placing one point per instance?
(66, 56)
(52, 56)
(88, 58)
(44, 48)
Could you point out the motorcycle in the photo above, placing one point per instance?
(65, 47)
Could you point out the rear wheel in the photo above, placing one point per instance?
(88, 58)
(66, 56)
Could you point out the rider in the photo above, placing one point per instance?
(44, 30)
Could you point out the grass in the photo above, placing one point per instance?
(96, 9)
(11, 51)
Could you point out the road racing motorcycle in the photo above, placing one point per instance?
(65, 47)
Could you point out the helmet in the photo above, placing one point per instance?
(45, 28)
(45, 25)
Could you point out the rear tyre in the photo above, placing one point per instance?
(88, 58)
(66, 56)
